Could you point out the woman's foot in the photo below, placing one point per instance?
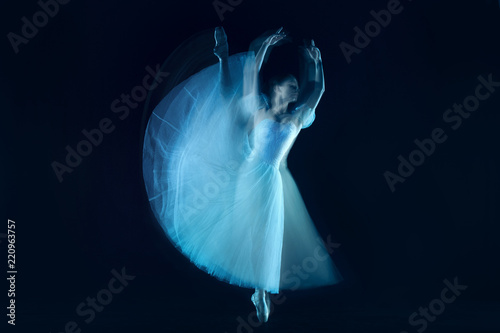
(259, 299)
(268, 303)
(221, 49)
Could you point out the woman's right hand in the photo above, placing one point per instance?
(276, 37)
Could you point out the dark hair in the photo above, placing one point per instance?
(276, 80)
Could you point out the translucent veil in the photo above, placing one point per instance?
(194, 145)
(195, 123)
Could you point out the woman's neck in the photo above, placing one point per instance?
(278, 106)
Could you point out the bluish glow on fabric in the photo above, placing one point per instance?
(224, 198)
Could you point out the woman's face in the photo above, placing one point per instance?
(288, 90)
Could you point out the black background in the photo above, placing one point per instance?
(396, 248)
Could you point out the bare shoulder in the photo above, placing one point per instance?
(301, 109)
(300, 113)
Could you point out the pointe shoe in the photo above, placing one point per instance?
(261, 306)
(268, 303)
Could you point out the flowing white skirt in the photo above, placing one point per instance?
(240, 220)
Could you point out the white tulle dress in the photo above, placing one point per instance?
(224, 198)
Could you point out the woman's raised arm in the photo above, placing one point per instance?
(315, 75)
(314, 87)
(250, 85)
(270, 41)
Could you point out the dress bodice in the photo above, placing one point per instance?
(270, 140)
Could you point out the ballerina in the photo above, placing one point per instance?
(215, 170)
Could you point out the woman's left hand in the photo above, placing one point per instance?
(313, 52)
